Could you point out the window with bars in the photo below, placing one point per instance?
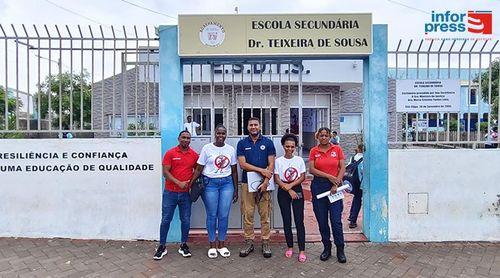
(202, 116)
(268, 120)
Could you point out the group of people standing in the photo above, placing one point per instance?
(217, 166)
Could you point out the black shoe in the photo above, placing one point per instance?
(247, 249)
(327, 253)
(184, 250)
(340, 255)
(266, 250)
(353, 225)
(160, 252)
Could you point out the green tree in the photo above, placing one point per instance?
(484, 127)
(11, 103)
(454, 126)
(11, 114)
(485, 85)
(66, 83)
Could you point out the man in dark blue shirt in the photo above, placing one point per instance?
(256, 153)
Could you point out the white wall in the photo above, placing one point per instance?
(463, 190)
(81, 204)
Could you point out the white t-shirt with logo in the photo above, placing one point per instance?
(191, 127)
(289, 169)
(217, 160)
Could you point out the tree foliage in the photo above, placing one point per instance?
(63, 87)
(11, 114)
(485, 86)
(11, 103)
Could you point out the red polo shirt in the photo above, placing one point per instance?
(328, 161)
(182, 166)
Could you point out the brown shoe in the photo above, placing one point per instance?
(266, 250)
(247, 249)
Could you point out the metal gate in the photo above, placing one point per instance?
(229, 93)
(87, 81)
(476, 64)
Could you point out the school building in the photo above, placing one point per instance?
(141, 89)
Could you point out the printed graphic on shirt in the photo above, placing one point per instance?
(221, 162)
(289, 170)
(217, 160)
(333, 154)
(291, 174)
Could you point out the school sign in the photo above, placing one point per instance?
(275, 35)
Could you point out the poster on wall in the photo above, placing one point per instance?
(417, 95)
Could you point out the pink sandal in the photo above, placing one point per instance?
(302, 258)
(288, 253)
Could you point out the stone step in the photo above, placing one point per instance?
(277, 236)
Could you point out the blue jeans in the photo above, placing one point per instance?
(323, 210)
(170, 201)
(217, 197)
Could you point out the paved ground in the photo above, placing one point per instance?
(78, 258)
(312, 231)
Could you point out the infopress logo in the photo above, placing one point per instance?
(477, 22)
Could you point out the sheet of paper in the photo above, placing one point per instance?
(335, 197)
(255, 179)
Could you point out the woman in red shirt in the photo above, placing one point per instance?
(326, 164)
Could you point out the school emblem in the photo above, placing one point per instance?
(262, 147)
(212, 34)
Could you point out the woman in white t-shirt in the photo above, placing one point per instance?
(289, 173)
(217, 163)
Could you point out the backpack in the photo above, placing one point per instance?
(351, 175)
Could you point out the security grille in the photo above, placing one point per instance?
(88, 81)
(476, 64)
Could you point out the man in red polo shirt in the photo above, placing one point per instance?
(178, 167)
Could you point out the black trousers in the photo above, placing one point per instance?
(356, 206)
(286, 204)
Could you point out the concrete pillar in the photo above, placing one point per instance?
(375, 180)
(171, 105)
